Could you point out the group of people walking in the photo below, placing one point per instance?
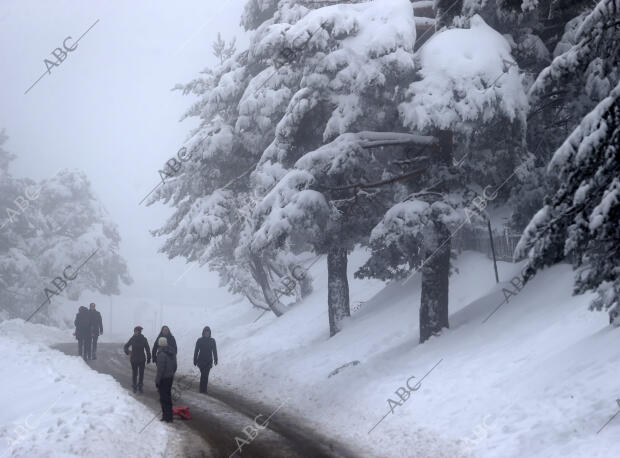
(88, 328)
(165, 358)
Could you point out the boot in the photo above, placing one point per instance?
(134, 389)
(140, 389)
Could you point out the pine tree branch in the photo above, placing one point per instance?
(248, 171)
(373, 185)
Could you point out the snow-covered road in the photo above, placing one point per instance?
(218, 418)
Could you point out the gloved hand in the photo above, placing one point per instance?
(127, 352)
(195, 363)
(156, 385)
(148, 361)
(215, 362)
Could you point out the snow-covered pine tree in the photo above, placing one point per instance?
(346, 80)
(583, 40)
(213, 213)
(459, 99)
(332, 197)
(211, 193)
(48, 226)
(580, 221)
(74, 225)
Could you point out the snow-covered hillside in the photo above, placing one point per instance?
(538, 378)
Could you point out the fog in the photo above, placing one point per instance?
(109, 111)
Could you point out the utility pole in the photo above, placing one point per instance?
(492, 249)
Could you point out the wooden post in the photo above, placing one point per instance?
(492, 249)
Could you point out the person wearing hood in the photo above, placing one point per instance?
(172, 343)
(82, 332)
(205, 355)
(166, 367)
(139, 345)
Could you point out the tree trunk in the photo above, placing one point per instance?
(446, 11)
(434, 300)
(436, 267)
(260, 275)
(337, 288)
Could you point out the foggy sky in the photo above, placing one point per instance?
(108, 109)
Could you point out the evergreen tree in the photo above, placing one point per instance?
(478, 121)
(582, 42)
(337, 83)
(580, 221)
(46, 227)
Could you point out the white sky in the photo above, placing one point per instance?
(108, 109)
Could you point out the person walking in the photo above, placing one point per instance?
(139, 345)
(172, 343)
(166, 367)
(96, 327)
(205, 355)
(82, 331)
(75, 333)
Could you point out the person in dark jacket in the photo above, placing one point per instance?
(205, 355)
(166, 367)
(82, 332)
(139, 345)
(75, 333)
(172, 343)
(96, 327)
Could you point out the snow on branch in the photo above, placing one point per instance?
(368, 139)
(467, 75)
(591, 41)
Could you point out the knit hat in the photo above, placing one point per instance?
(162, 342)
(137, 328)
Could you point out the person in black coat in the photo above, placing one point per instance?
(139, 345)
(205, 355)
(96, 329)
(75, 333)
(166, 367)
(82, 332)
(172, 343)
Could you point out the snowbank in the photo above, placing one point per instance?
(55, 405)
(539, 378)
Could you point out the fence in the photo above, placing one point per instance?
(478, 240)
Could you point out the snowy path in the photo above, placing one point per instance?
(219, 417)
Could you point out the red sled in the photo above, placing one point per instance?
(181, 411)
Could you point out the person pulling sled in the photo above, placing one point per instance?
(166, 367)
